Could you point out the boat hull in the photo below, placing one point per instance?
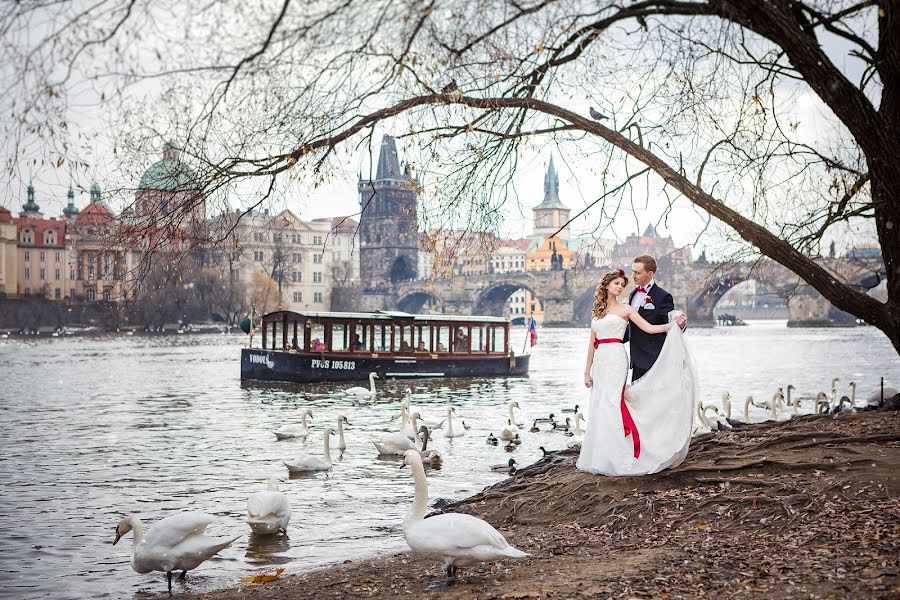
(296, 367)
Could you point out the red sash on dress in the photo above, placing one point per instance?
(627, 421)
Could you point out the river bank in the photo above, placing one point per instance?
(797, 509)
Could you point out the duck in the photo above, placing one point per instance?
(492, 440)
(517, 440)
(578, 436)
(534, 427)
(295, 431)
(560, 426)
(510, 429)
(570, 410)
(509, 466)
(308, 463)
(268, 512)
(459, 540)
(176, 543)
(549, 419)
(341, 421)
(547, 453)
(429, 457)
(510, 446)
(452, 433)
(466, 427)
(362, 392)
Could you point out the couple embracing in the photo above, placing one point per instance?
(646, 426)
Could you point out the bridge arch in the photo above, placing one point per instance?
(584, 305)
(492, 299)
(414, 300)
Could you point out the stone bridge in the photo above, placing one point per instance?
(567, 295)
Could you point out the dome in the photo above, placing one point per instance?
(170, 174)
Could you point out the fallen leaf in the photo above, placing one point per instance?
(262, 577)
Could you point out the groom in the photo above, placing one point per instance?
(653, 303)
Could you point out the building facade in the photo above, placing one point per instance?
(41, 253)
(388, 225)
(9, 259)
(343, 243)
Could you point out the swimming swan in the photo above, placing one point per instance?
(341, 420)
(308, 463)
(176, 543)
(451, 433)
(457, 539)
(268, 512)
(510, 430)
(295, 431)
(363, 392)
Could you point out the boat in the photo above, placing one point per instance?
(309, 347)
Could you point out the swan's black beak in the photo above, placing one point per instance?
(403, 464)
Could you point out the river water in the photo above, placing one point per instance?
(97, 427)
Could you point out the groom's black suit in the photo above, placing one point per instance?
(645, 347)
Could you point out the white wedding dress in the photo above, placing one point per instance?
(649, 431)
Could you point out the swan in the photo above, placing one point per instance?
(834, 396)
(508, 466)
(450, 433)
(341, 420)
(395, 444)
(295, 431)
(308, 463)
(510, 430)
(823, 404)
(429, 457)
(457, 539)
(492, 440)
(578, 436)
(363, 392)
(176, 543)
(876, 399)
(268, 512)
(716, 424)
(726, 406)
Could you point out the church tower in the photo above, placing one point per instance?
(388, 224)
(551, 214)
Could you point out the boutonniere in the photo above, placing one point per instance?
(648, 303)
(648, 300)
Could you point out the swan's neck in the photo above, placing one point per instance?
(404, 419)
(420, 502)
(747, 409)
(341, 430)
(372, 382)
(327, 449)
(853, 393)
(305, 425)
(415, 428)
(512, 417)
(726, 404)
(450, 423)
(578, 425)
(137, 527)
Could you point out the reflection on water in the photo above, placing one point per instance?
(95, 428)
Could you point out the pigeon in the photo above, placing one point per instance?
(449, 88)
(596, 115)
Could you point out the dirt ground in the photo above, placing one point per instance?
(806, 508)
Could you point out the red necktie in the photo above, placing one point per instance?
(641, 289)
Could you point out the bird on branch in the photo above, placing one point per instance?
(449, 88)
(597, 115)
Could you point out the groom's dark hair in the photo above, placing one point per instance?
(648, 261)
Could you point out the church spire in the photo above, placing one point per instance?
(30, 205)
(551, 189)
(388, 162)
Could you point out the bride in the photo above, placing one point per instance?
(645, 427)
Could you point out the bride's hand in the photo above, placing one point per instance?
(588, 380)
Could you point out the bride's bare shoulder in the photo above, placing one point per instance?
(623, 312)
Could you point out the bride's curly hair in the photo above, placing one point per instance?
(600, 294)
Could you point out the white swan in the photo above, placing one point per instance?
(834, 396)
(451, 433)
(363, 392)
(395, 444)
(307, 463)
(268, 512)
(822, 402)
(510, 430)
(295, 431)
(578, 436)
(176, 543)
(341, 444)
(875, 398)
(458, 540)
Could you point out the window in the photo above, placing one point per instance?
(27, 273)
(317, 277)
(317, 240)
(49, 238)
(295, 238)
(27, 237)
(296, 277)
(58, 256)
(43, 274)
(91, 294)
(57, 294)
(58, 275)
(27, 291)
(317, 297)
(298, 296)
(72, 276)
(72, 293)
(317, 259)
(90, 272)
(258, 256)
(277, 238)
(296, 257)
(106, 294)
(43, 256)
(27, 256)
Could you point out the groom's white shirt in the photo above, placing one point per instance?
(638, 299)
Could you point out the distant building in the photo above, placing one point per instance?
(42, 261)
(551, 255)
(388, 225)
(865, 250)
(9, 263)
(551, 216)
(343, 243)
(661, 248)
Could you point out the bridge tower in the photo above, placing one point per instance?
(551, 213)
(388, 225)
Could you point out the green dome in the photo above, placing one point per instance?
(170, 175)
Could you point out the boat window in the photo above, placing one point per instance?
(460, 340)
(441, 339)
(362, 338)
(339, 335)
(479, 341)
(316, 336)
(403, 341)
(296, 330)
(382, 338)
(423, 338)
(497, 340)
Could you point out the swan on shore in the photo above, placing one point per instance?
(823, 404)
(452, 433)
(309, 463)
(268, 512)
(458, 540)
(362, 392)
(726, 406)
(176, 543)
(295, 431)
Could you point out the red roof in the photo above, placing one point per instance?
(39, 227)
(5, 215)
(94, 213)
(520, 244)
